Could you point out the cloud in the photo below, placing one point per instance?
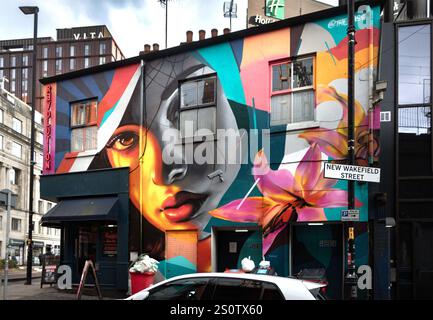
(131, 22)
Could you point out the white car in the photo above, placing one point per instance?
(230, 286)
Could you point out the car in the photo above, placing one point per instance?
(230, 286)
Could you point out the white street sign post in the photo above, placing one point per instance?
(350, 172)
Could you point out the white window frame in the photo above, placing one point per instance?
(17, 125)
(197, 106)
(291, 91)
(84, 126)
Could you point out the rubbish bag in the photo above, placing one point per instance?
(247, 264)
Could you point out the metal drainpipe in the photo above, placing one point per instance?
(370, 88)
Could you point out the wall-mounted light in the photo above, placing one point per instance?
(389, 222)
(241, 230)
(315, 224)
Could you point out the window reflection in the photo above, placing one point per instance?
(414, 120)
(414, 65)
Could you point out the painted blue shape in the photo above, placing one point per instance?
(92, 86)
(311, 240)
(226, 68)
(238, 48)
(361, 245)
(361, 193)
(215, 222)
(72, 89)
(109, 78)
(176, 266)
(252, 248)
(279, 259)
(62, 105)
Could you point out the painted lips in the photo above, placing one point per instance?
(181, 206)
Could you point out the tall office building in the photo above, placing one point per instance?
(74, 49)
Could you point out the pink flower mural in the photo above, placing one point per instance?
(286, 197)
(334, 142)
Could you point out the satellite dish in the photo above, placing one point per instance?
(230, 9)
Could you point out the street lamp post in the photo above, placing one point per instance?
(32, 10)
(351, 277)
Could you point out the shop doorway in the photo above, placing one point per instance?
(96, 242)
(231, 244)
(318, 252)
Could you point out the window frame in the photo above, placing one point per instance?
(17, 121)
(19, 224)
(213, 104)
(291, 91)
(83, 126)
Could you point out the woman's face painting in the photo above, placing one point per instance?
(179, 195)
(165, 206)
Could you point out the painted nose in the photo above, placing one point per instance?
(177, 173)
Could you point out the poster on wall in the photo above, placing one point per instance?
(110, 242)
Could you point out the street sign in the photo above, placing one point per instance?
(350, 215)
(349, 172)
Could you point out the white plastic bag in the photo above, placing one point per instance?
(247, 264)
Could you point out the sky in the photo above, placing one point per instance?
(131, 22)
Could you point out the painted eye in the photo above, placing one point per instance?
(124, 141)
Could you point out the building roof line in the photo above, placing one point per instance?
(153, 55)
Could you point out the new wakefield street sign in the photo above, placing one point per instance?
(349, 172)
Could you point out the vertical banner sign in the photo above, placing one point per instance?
(49, 128)
(275, 9)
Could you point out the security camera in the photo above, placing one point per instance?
(217, 173)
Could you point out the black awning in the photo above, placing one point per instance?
(82, 209)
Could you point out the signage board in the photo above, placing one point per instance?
(275, 8)
(350, 215)
(350, 172)
(49, 269)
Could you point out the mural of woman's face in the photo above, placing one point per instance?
(165, 206)
(179, 195)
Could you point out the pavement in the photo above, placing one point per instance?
(18, 290)
(20, 274)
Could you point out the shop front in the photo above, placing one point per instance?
(94, 223)
(38, 250)
(16, 251)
